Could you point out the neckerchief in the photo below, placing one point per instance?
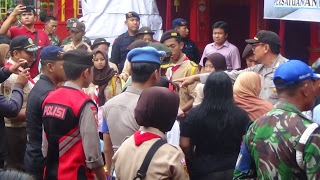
(141, 136)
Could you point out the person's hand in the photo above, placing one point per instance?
(18, 10)
(23, 77)
(14, 68)
(185, 81)
(180, 115)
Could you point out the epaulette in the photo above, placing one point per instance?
(165, 66)
(193, 64)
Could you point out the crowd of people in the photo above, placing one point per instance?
(153, 110)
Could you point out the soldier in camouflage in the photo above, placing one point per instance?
(273, 141)
(67, 40)
(50, 27)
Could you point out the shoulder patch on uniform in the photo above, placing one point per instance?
(95, 113)
(193, 64)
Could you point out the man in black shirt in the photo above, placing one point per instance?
(51, 78)
(190, 48)
(120, 45)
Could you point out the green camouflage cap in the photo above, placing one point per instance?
(71, 21)
(167, 62)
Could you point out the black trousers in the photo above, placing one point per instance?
(16, 146)
(219, 175)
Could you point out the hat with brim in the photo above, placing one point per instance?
(24, 43)
(144, 30)
(167, 61)
(78, 27)
(32, 48)
(292, 72)
(99, 41)
(267, 37)
(54, 53)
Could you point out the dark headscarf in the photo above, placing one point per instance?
(157, 107)
(101, 77)
(217, 60)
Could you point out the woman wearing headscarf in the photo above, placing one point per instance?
(155, 112)
(212, 63)
(246, 91)
(212, 132)
(4, 54)
(106, 83)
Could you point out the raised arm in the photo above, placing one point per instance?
(11, 19)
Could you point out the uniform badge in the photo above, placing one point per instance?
(174, 34)
(183, 23)
(95, 113)
(129, 15)
(74, 24)
(30, 41)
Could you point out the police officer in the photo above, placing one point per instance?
(190, 48)
(121, 43)
(52, 75)
(70, 124)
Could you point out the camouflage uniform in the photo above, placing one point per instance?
(271, 141)
(67, 40)
(54, 40)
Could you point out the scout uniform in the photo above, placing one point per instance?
(190, 48)
(183, 68)
(120, 45)
(77, 27)
(168, 162)
(67, 40)
(16, 130)
(112, 89)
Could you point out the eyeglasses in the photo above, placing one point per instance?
(255, 45)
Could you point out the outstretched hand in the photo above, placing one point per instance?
(186, 81)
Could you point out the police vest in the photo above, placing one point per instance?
(61, 112)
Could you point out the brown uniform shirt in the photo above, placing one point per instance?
(6, 89)
(126, 71)
(167, 163)
(71, 46)
(113, 66)
(109, 91)
(185, 69)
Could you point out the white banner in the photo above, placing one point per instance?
(298, 10)
(105, 18)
